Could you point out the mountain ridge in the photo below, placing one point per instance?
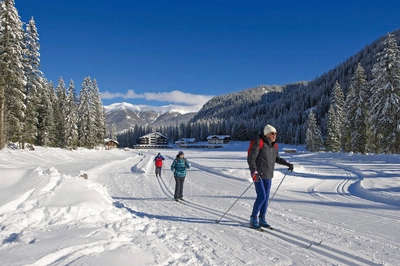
(243, 114)
(126, 116)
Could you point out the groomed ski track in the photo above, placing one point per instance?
(324, 210)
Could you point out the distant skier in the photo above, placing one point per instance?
(261, 159)
(179, 166)
(158, 164)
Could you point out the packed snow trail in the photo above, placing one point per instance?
(209, 192)
(122, 214)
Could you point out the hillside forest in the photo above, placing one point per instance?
(353, 107)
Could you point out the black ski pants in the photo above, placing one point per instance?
(179, 187)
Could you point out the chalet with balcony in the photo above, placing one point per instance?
(218, 139)
(110, 144)
(152, 141)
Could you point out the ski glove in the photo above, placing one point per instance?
(291, 167)
(256, 176)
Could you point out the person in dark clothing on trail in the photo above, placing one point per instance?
(179, 166)
(159, 163)
(261, 164)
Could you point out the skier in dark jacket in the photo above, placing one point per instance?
(261, 164)
(179, 166)
(159, 163)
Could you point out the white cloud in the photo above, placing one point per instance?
(172, 97)
(130, 94)
(178, 97)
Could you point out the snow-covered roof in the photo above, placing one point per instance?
(188, 139)
(218, 136)
(108, 140)
(152, 134)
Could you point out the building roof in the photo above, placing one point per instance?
(151, 134)
(188, 139)
(218, 136)
(110, 140)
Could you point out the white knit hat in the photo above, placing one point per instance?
(268, 129)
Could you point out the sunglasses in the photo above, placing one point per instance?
(272, 133)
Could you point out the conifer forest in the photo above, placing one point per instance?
(351, 108)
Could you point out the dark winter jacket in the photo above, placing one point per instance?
(179, 166)
(263, 160)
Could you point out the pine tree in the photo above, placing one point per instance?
(34, 82)
(46, 128)
(239, 132)
(222, 128)
(204, 131)
(188, 131)
(72, 139)
(332, 140)
(113, 131)
(12, 79)
(100, 123)
(385, 98)
(53, 134)
(61, 113)
(313, 134)
(357, 117)
(86, 121)
(335, 120)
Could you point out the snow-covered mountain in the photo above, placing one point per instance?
(125, 115)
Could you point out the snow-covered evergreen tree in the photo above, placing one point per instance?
(357, 116)
(335, 120)
(34, 82)
(113, 131)
(12, 79)
(239, 132)
(204, 131)
(72, 139)
(223, 127)
(53, 136)
(188, 130)
(332, 140)
(86, 121)
(100, 124)
(61, 113)
(385, 98)
(46, 127)
(313, 134)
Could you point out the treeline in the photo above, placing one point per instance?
(352, 108)
(215, 122)
(367, 119)
(198, 130)
(32, 111)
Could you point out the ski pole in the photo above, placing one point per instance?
(217, 221)
(170, 181)
(278, 187)
(191, 188)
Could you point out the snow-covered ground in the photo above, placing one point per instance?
(123, 215)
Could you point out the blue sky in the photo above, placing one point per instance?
(176, 52)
